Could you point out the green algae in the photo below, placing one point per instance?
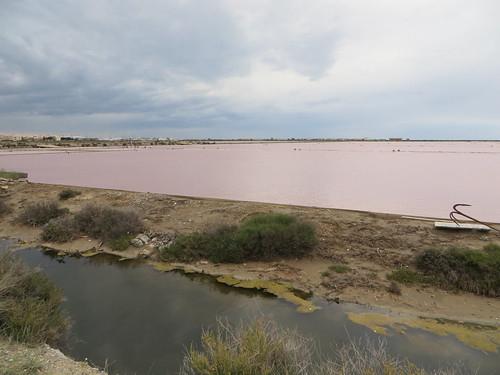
(279, 290)
(163, 266)
(478, 336)
(90, 253)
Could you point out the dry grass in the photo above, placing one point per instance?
(41, 213)
(107, 223)
(30, 305)
(262, 348)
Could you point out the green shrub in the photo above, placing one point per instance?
(106, 223)
(30, 304)
(60, 229)
(121, 243)
(267, 236)
(264, 236)
(262, 348)
(476, 271)
(41, 213)
(68, 193)
(12, 175)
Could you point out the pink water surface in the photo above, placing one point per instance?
(422, 178)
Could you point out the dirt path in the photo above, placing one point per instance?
(370, 244)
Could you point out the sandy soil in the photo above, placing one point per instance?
(40, 360)
(371, 244)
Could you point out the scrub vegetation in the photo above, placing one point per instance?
(265, 349)
(471, 270)
(41, 213)
(12, 175)
(111, 225)
(260, 237)
(60, 229)
(68, 193)
(121, 243)
(107, 223)
(30, 304)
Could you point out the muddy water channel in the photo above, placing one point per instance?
(140, 321)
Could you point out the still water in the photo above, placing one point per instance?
(413, 178)
(140, 321)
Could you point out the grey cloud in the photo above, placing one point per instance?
(157, 67)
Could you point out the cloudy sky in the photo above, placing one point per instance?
(251, 68)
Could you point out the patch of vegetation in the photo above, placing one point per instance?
(265, 349)
(41, 213)
(12, 175)
(30, 304)
(471, 270)
(475, 271)
(261, 237)
(408, 276)
(68, 194)
(339, 268)
(108, 224)
(60, 229)
(121, 243)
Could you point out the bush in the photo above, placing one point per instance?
(269, 235)
(264, 236)
(60, 229)
(262, 348)
(41, 213)
(476, 271)
(121, 243)
(30, 304)
(106, 223)
(68, 193)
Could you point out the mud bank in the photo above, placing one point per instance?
(372, 245)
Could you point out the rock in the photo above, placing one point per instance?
(144, 238)
(136, 242)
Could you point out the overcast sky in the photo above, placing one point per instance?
(254, 68)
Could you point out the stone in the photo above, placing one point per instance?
(136, 242)
(143, 238)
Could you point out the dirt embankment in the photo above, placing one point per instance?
(40, 360)
(370, 244)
